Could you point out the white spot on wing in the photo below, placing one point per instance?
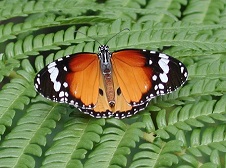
(38, 81)
(163, 65)
(161, 86)
(165, 60)
(65, 84)
(156, 87)
(36, 86)
(61, 94)
(163, 56)
(182, 69)
(163, 77)
(154, 77)
(52, 64)
(63, 99)
(150, 62)
(54, 74)
(161, 92)
(57, 86)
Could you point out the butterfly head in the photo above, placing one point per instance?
(103, 48)
(104, 55)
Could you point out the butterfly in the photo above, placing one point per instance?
(110, 84)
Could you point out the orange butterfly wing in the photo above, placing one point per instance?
(131, 73)
(83, 78)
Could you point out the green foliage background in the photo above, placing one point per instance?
(185, 129)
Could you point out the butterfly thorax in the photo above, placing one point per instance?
(106, 69)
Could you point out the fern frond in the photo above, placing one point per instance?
(147, 37)
(6, 67)
(6, 32)
(131, 10)
(157, 154)
(10, 30)
(203, 12)
(78, 136)
(205, 144)
(166, 11)
(215, 158)
(205, 86)
(190, 116)
(211, 66)
(115, 144)
(148, 121)
(31, 45)
(24, 8)
(193, 89)
(29, 134)
(179, 27)
(13, 95)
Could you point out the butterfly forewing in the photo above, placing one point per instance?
(72, 79)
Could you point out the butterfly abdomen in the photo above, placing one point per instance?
(109, 87)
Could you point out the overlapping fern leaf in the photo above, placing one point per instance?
(183, 129)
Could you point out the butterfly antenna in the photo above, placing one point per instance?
(88, 36)
(118, 34)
